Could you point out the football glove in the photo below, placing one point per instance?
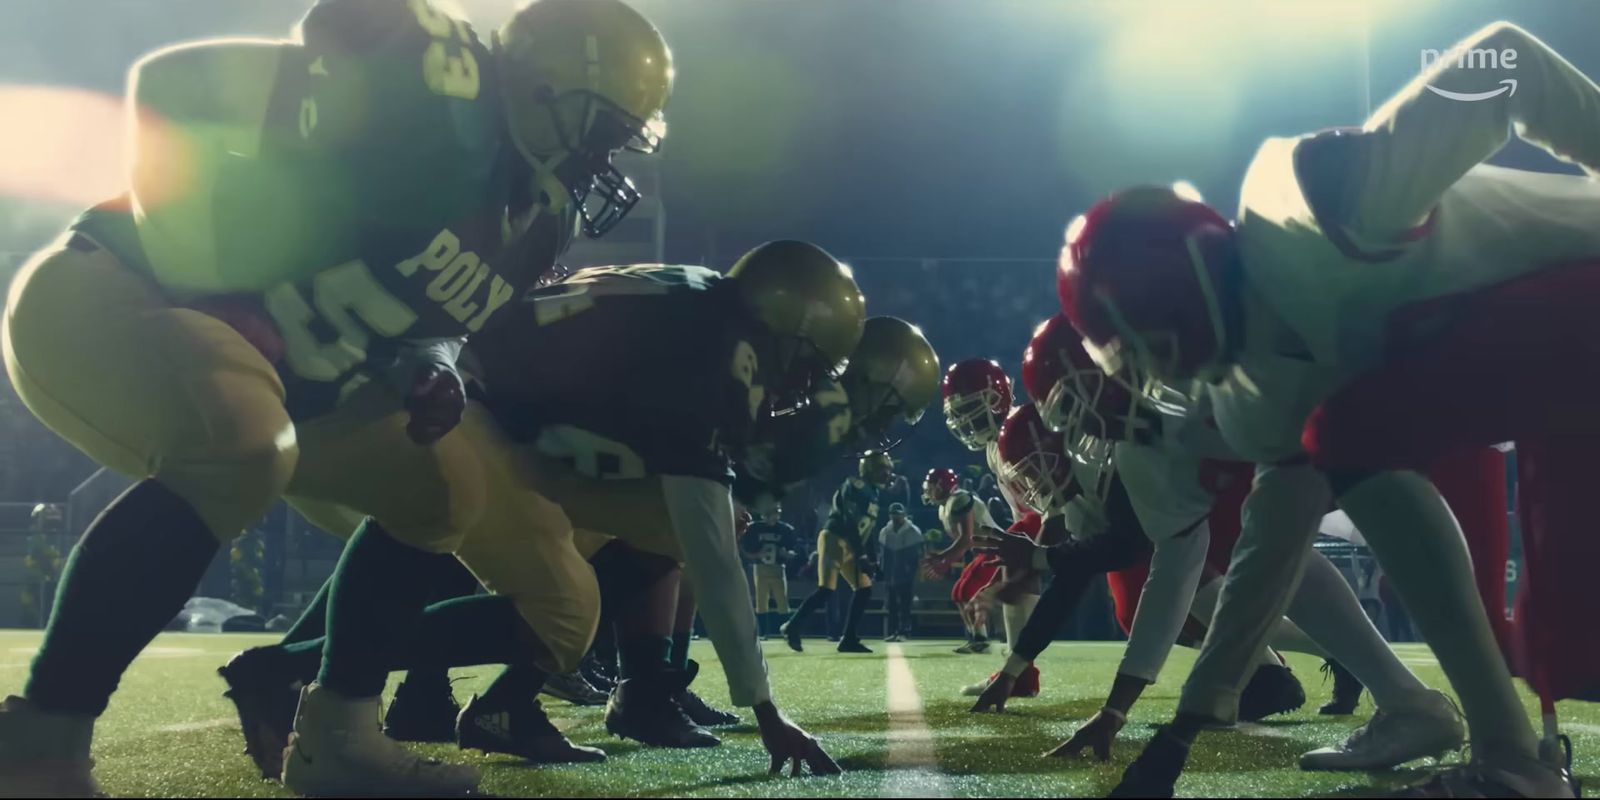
(424, 372)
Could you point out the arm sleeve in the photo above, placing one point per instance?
(1056, 605)
(702, 517)
(1419, 143)
(1175, 571)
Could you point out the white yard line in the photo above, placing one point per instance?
(1269, 731)
(913, 765)
(202, 725)
(1581, 727)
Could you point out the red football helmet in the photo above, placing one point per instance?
(1142, 277)
(1035, 460)
(939, 485)
(977, 398)
(1073, 394)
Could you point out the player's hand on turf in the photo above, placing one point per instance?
(1096, 735)
(436, 402)
(789, 743)
(995, 694)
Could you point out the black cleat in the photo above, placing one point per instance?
(702, 714)
(422, 714)
(265, 694)
(1155, 772)
(573, 688)
(520, 730)
(791, 634)
(642, 709)
(1346, 690)
(1272, 690)
(853, 645)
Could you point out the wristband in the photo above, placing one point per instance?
(1121, 718)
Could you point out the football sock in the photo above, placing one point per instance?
(449, 579)
(461, 632)
(1016, 616)
(379, 591)
(517, 683)
(813, 601)
(679, 658)
(1327, 608)
(643, 656)
(1416, 539)
(858, 606)
(123, 582)
(313, 622)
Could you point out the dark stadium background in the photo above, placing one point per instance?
(926, 141)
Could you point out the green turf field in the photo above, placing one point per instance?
(169, 731)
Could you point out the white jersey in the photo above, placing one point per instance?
(1337, 233)
(961, 503)
(991, 454)
(1164, 478)
(1086, 515)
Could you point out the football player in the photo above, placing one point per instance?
(977, 399)
(653, 468)
(273, 308)
(769, 545)
(843, 552)
(892, 378)
(649, 469)
(1177, 471)
(1096, 532)
(937, 487)
(1383, 300)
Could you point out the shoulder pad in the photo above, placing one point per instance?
(961, 502)
(1326, 164)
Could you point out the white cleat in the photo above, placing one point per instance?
(1431, 727)
(338, 749)
(45, 755)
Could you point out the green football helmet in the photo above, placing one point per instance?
(582, 79)
(809, 302)
(893, 374)
(876, 468)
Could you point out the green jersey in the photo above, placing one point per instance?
(854, 515)
(360, 177)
